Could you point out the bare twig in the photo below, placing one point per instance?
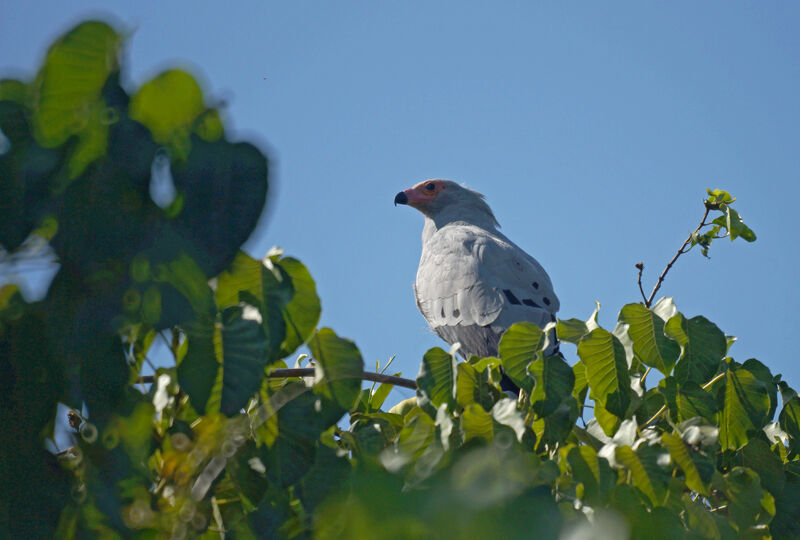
(640, 267)
(649, 301)
(309, 372)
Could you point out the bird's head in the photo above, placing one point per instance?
(445, 198)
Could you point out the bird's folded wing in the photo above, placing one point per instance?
(468, 276)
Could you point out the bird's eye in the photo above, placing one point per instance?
(430, 186)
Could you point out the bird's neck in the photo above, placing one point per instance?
(433, 223)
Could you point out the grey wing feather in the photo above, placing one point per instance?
(472, 285)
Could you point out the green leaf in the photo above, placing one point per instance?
(691, 400)
(342, 367)
(581, 386)
(554, 382)
(573, 330)
(606, 370)
(786, 523)
(789, 420)
(436, 381)
(68, 91)
(648, 476)
(646, 330)
(328, 475)
(699, 519)
(169, 104)
(476, 423)
(756, 455)
(302, 313)
(224, 188)
(26, 171)
(749, 504)
(244, 349)
(596, 475)
(745, 409)
(681, 454)
(520, 345)
(703, 346)
(732, 221)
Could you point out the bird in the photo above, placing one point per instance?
(473, 282)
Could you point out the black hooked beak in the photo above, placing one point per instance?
(400, 198)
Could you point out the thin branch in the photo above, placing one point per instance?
(640, 267)
(649, 301)
(309, 372)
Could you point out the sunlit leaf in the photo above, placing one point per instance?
(476, 423)
(436, 381)
(745, 409)
(554, 382)
(649, 342)
(681, 455)
(606, 370)
(520, 345)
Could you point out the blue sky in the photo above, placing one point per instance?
(593, 129)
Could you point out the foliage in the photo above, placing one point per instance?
(217, 445)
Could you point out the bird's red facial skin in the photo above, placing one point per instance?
(422, 192)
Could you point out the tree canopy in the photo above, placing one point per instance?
(655, 430)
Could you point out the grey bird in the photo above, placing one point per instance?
(473, 282)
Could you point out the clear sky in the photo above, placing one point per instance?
(593, 128)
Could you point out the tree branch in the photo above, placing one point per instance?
(649, 301)
(640, 267)
(309, 372)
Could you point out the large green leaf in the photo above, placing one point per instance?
(758, 456)
(606, 370)
(169, 104)
(596, 475)
(68, 92)
(745, 409)
(302, 313)
(477, 423)
(691, 400)
(648, 475)
(236, 346)
(224, 188)
(681, 454)
(702, 347)
(244, 357)
(650, 344)
(342, 367)
(436, 381)
(554, 382)
(286, 295)
(520, 345)
(749, 503)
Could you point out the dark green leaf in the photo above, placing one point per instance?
(244, 357)
(702, 347)
(199, 368)
(647, 474)
(749, 504)
(691, 400)
(341, 366)
(756, 455)
(224, 186)
(597, 477)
